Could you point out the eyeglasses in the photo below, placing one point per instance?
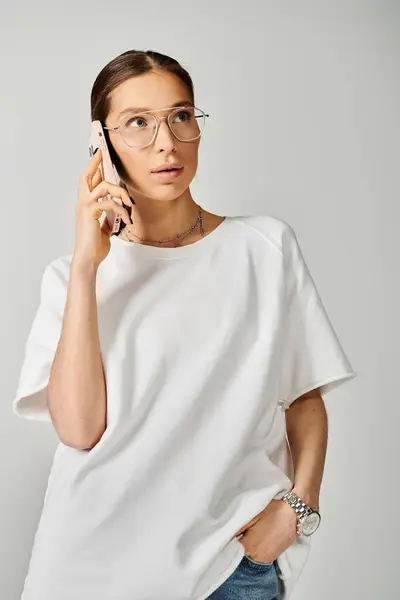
(138, 130)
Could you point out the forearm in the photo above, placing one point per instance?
(307, 432)
(77, 391)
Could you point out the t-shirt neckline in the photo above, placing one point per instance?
(178, 251)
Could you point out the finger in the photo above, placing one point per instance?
(85, 180)
(94, 171)
(94, 163)
(115, 191)
(99, 207)
(97, 178)
(93, 166)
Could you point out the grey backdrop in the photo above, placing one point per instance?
(304, 125)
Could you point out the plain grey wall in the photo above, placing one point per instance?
(304, 125)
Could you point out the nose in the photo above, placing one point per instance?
(164, 137)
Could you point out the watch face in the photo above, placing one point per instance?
(310, 523)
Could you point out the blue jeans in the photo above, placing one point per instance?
(251, 580)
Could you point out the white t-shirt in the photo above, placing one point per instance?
(203, 346)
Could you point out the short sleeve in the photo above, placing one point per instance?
(312, 356)
(30, 400)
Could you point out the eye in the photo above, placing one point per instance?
(184, 114)
(138, 120)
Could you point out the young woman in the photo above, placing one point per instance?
(182, 363)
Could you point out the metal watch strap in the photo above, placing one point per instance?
(301, 508)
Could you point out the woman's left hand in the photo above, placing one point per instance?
(270, 533)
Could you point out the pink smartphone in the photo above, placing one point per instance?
(108, 172)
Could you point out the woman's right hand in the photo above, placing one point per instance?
(92, 240)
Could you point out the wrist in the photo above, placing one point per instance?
(308, 496)
(306, 507)
(81, 268)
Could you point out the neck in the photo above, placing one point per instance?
(162, 219)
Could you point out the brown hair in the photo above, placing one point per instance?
(131, 63)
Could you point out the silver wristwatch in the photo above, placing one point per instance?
(308, 519)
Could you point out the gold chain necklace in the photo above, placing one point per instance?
(178, 237)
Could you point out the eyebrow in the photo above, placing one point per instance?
(138, 109)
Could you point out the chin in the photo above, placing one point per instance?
(173, 188)
(169, 192)
(165, 192)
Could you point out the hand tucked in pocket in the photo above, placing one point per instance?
(270, 533)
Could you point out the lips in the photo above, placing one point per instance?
(168, 175)
(167, 167)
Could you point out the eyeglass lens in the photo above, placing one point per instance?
(186, 123)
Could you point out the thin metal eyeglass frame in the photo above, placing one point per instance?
(158, 119)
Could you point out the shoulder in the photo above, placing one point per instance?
(274, 230)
